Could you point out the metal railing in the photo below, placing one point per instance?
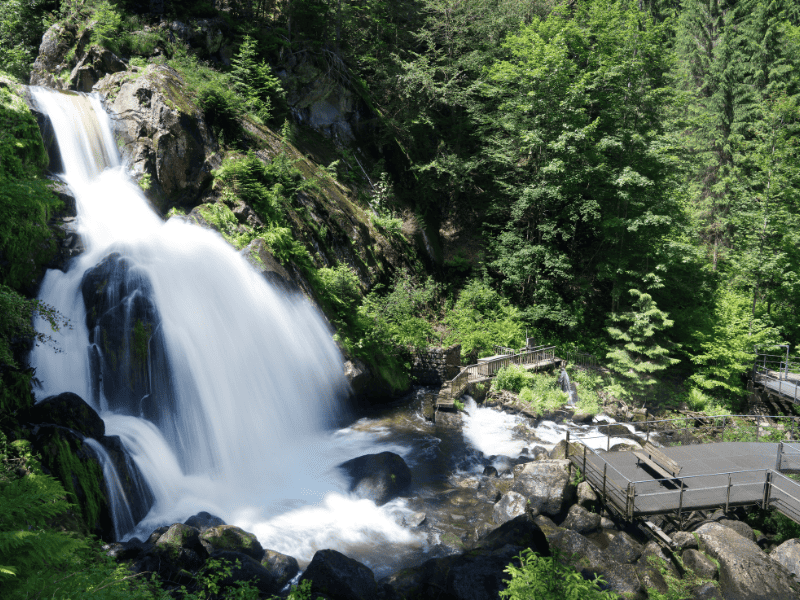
(581, 359)
(632, 498)
(455, 387)
(504, 350)
(779, 373)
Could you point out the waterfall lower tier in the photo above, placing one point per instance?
(223, 391)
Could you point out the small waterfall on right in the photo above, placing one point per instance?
(567, 387)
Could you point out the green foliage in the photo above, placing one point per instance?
(547, 578)
(638, 355)
(107, 25)
(253, 80)
(512, 378)
(481, 318)
(543, 394)
(773, 522)
(22, 23)
(340, 289)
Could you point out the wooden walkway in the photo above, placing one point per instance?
(715, 475)
(534, 359)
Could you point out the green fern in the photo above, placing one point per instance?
(26, 505)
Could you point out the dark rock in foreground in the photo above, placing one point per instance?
(340, 577)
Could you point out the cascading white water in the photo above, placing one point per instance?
(239, 420)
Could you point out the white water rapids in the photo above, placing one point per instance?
(258, 380)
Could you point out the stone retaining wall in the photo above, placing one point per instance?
(434, 366)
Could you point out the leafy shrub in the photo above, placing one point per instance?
(107, 26)
(547, 578)
(542, 394)
(387, 224)
(512, 378)
(340, 289)
(481, 318)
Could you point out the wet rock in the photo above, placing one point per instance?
(67, 410)
(546, 484)
(230, 537)
(378, 477)
(467, 483)
(699, 563)
(581, 520)
(559, 452)
(510, 506)
(578, 552)
(614, 430)
(488, 491)
(743, 529)
(539, 453)
(262, 260)
(585, 495)
(519, 532)
(624, 549)
(95, 64)
(684, 540)
(707, 591)
(175, 565)
(337, 576)
(282, 567)
(203, 521)
(244, 568)
(652, 579)
(745, 571)
(415, 519)
(56, 44)
(788, 555)
(157, 533)
(128, 353)
(462, 498)
(60, 448)
(490, 471)
(181, 536)
(626, 447)
(125, 551)
(607, 523)
(548, 527)
(653, 556)
(624, 580)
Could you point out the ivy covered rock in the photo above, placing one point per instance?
(378, 477)
(65, 455)
(230, 537)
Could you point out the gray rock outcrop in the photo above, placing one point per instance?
(581, 520)
(788, 555)
(510, 506)
(745, 571)
(546, 484)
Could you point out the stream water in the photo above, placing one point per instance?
(240, 406)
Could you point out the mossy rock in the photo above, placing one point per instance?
(231, 538)
(67, 410)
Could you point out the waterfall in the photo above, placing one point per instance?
(566, 386)
(121, 514)
(222, 390)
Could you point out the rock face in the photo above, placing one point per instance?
(624, 549)
(510, 506)
(581, 520)
(160, 132)
(128, 353)
(51, 61)
(337, 576)
(203, 521)
(788, 555)
(378, 477)
(745, 572)
(96, 63)
(699, 563)
(68, 410)
(546, 484)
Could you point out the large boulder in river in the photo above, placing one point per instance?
(230, 537)
(546, 484)
(745, 571)
(161, 132)
(378, 477)
(203, 521)
(340, 577)
(68, 410)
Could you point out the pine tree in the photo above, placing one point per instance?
(639, 355)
